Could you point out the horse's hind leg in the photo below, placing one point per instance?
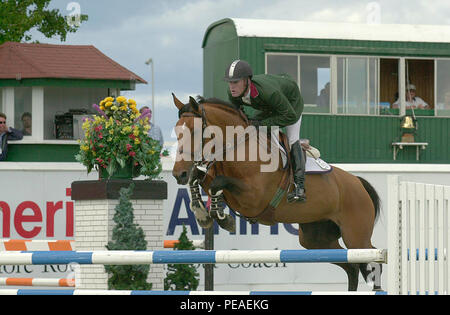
(356, 233)
(325, 235)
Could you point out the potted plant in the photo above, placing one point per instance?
(116, 141)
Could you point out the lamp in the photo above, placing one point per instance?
(408, 127)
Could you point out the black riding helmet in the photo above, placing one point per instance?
(238, 70)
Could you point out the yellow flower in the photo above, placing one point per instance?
(109, 139)
(109, 99)
(121, 99)
(86, 125)
(124, 107)
(102, 107)
(85, 148)
(109, 104)
(137, 141)
(126, 130)
(114, 108)
(136, 132)
(102, 103)
(132, 102)
(111, 132)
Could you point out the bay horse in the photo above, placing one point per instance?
(338, 203)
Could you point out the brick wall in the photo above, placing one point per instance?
(93, 230)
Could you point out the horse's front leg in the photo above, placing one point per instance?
(218, 185)
(198, 208)
(225, 221)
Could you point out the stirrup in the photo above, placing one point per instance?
(295, 195)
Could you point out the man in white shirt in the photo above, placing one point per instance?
(412, 101)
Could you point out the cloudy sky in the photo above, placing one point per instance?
(171, 32)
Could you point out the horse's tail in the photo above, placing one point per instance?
(373, 195)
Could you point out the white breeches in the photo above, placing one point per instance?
(293, 132)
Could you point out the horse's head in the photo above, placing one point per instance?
(205, 119)
(187, 127)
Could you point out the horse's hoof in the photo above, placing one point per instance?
(207, 223)
(225, 221)
(228, 224)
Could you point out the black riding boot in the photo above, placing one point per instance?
(298, 160)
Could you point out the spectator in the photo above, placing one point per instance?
(323, 100)
(7, 133)
(26, 122)
(412, 101)
(154, 132)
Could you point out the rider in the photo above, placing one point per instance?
(278, 101)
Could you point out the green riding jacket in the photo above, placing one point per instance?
(276, 99)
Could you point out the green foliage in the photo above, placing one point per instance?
(117, 137)
(127, 236)
(19, 17)
(182, 277)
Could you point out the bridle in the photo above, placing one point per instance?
(205, 164)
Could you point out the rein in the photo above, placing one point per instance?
(210, 161)
(269, 211)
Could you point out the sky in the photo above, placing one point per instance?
(171, 33)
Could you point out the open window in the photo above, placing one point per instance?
(419, 74)
(389, 83)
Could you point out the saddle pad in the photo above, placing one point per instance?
(317, 166)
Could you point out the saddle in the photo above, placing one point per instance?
(315, 166)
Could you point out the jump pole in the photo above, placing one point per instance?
(193, 257)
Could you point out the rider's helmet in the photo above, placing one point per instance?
(238, 70)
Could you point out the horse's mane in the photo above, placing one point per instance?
(210, 101)
(214, 100)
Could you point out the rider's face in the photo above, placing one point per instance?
(237, 88)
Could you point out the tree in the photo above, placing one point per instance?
(182, 277)
(127, 235)
(19, 17)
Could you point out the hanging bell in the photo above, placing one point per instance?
(408, 123)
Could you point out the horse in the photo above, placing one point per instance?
(338, 204)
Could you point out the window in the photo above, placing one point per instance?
(65, 107)
(389, 69)
(22, 109)
(420, 73)
(315, 78)
(443, 88)
(280, 64)
(357, 85)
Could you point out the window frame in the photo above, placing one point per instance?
(334, 76)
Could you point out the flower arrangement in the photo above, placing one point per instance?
(117, 138)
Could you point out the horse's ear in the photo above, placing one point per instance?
(194, 104)
(177, 102)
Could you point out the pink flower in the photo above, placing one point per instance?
(129, 147)
(132, 153)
